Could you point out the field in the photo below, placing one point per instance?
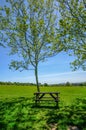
(18, 110)
(67, 94)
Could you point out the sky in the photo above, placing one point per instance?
(53, 71)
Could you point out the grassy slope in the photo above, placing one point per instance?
(67, 94)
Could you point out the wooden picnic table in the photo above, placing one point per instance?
(46, 96)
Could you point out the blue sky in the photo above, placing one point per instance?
(54, 70)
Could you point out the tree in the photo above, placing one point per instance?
(72, 29)
(29, 28)
(1, 33)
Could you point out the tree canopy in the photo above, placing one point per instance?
(35, 31)
(72, 28)
(29, 29)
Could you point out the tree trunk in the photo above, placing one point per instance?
(36, 76)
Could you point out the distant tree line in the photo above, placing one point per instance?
(44, 85)
(75, 84)
(16, 83)
(65, 84)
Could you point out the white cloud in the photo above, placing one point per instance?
(53, 78)
(78, 76)
(64, 73)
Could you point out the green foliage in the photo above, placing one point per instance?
(72, 29)
(73, 115)
(20, 113)
(28, 28)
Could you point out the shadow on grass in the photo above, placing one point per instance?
(22, 114)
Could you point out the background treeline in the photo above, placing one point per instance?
(45, 84)
(16, 83)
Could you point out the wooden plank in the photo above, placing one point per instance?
(41, 96)
(46, 93)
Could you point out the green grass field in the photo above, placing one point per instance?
(18, 110)
(67, 94)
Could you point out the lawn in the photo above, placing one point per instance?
(67, 94)
(18, 110)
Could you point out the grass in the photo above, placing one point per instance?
(16, 91)
(67, 94)
(17, 110)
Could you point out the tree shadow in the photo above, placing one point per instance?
(21, 113)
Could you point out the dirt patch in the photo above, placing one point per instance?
(73, 128)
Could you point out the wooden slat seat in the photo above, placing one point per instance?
(42, 96)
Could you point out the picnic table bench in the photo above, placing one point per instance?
(46, 96)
